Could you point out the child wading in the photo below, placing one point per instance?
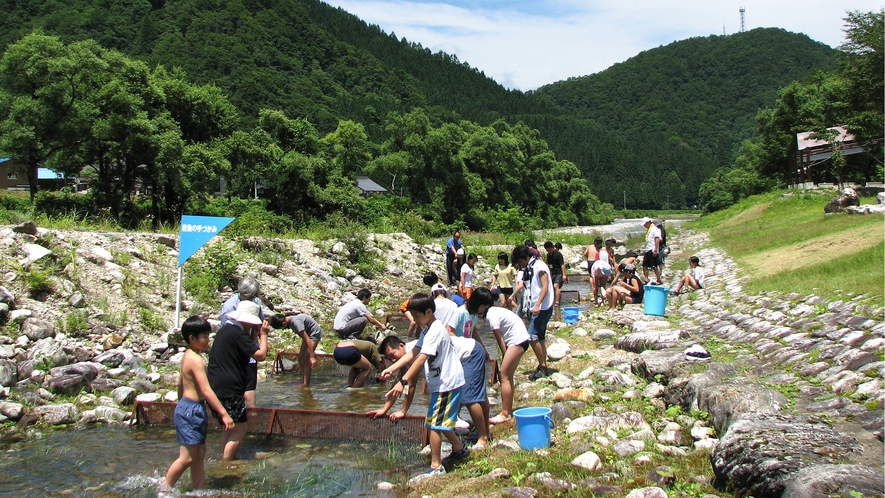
(191, 419)
(445, 378)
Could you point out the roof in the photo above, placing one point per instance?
(48, 174)
(811, 150)
(806, 143)
(365, 184)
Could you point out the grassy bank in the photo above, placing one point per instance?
(785, 242)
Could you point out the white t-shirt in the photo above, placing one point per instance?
(463, 347)
(534, 286)
(698, 274)
(467, 272)
(445, 310)
(653, 233)
(348, 312)
(510, 326)
(443, 367)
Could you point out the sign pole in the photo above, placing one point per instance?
(178, 298)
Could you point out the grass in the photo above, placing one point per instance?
(788, 244)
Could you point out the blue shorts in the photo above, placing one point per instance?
(252, 376)
(538, 325)
(191, 422)
(474, 390)
(442, 410)
(346, 355)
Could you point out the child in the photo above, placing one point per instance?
(472, 355)
(191, 419)
(465, 286)
(445, 379)
(538, 302)
(360, 356)
(601, 269)
(630, 290)
(512, 338)
(693, 279)
(309, 330)
(503, 278)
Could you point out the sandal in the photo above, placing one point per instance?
(498, 419)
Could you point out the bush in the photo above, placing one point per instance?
(213, 267)
(76, 322)
(38, 282)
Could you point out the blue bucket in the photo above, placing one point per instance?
(655, 299)
(533, 426)
(571, 315)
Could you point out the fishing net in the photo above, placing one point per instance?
(302, 423)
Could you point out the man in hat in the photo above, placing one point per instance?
(235, 344)
(651, 256)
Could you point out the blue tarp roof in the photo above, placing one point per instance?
(48, 174)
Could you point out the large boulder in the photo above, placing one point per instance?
(848, 197)
(684, 391)
(8, 373)
(70, 384)
(658, 366)
(37, 329)
(638, 342)
(761, 451)
(65, 413)
(823, 481)
(85, 369)
(113, 358)
(726, 402)
(48, 350)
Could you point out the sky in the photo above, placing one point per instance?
(525, 44)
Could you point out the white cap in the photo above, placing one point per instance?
(646, 220)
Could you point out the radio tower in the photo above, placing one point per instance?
(743, 26)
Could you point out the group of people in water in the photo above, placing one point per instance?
(447, 347)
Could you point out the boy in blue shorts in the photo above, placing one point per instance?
(445, 378)
(191, 420)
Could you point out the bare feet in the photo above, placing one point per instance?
(302, 385)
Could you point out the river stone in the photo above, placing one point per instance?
(123, 395)
(823, 481)
(86, 369)
(638, 342)
(727, 401)
(558, 350)
(650, 492)
(588, 460)
(684, 391)
(12, 410)
(68, 384)
(760, 451)
(113, 357)
(48, 350)
(584, 395)
(628, 420)
(36, 329)
(654, 390)
(26, 227)
(628, 447)
(149, 397)
(8, 373)
(103, 384)
(603, 334)
(65, 413)
(35, 253)
(111, 414)
(651, 364)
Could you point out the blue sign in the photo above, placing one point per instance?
(195, 231)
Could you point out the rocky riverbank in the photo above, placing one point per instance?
(791, 400)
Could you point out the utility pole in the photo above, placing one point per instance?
(742, 10)
(625, 200)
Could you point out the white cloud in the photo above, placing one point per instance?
(528, 44)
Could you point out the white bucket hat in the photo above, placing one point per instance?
(246, 312)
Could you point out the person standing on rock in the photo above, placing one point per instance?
(452, 247)
(229, 371)
(247, 290)
(538, 302)
(651, 257)
(351, 319)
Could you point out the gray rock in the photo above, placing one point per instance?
(123, 395)
(628, 447)
(65, 413)
(519, 492)
(823, 481)
(35, 252)
(685, 391)
(560, 412)
(143, 386)
(638, 342)
(111, 414)
(113, 357)
(650, 492)
(12, 410)
(68, 384)
(628, 420)
(77, 300)
(558, 350)
(588, 460)
(165, 240)
(848, 197)
(662, 476)
(36, 329)
(149, 397)
(88, 370)
(26, 227)
(726, 402)
(658, 366)
(48, 350)
(103, 384)
(8, 373)
(603, 334)
(7, 297)
(760, 451)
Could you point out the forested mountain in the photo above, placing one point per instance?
(650, 129)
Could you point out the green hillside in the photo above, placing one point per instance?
(650, 130)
